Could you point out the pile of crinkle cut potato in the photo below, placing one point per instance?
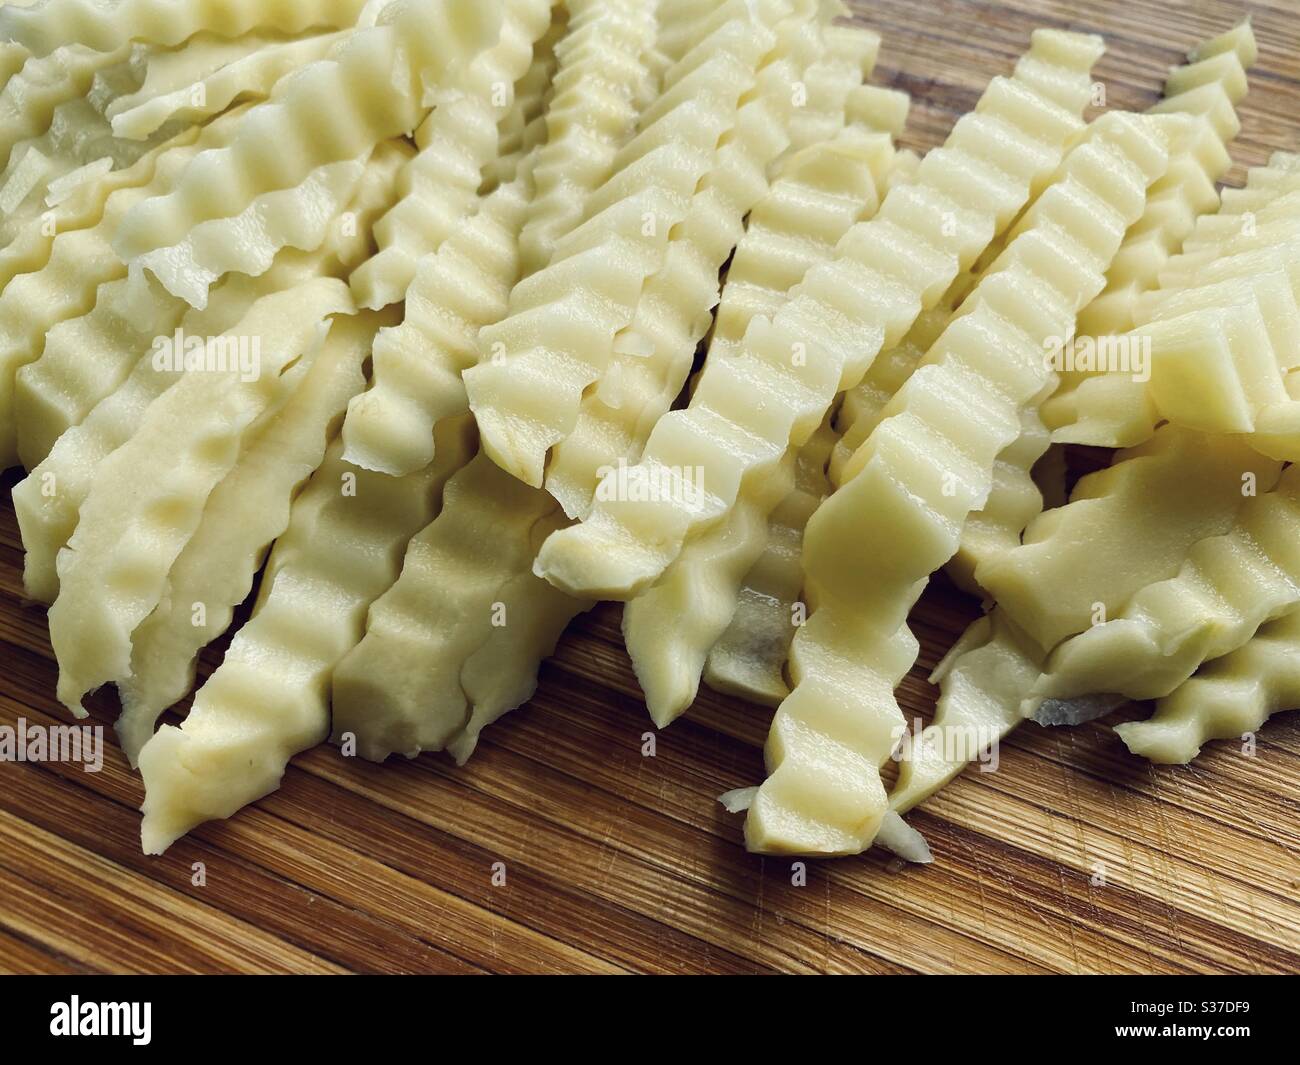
(427, 324)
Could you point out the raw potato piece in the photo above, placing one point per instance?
(592, 114)
(848, 58)
(670, 627)
(652, 356)
(1124, 527)
(75, 145)
(270, 697)
(67, 285)
(672, 316)
(456, 141)
(243, 515)
(399, 689)
(460, 137)
(523, 126)
(1185, 191)
(86, 358)
(48, 24)
(29, 98)
(865, 403)
(416, 380)
(1228, 699)
(113, 571)
(871, 547)
(30, 248)
(163, 71)
(749, 658)
(47, 502)
(683, 24)
(983, 677)
(1209, 369)
(747, 410)
(561, 334)
(502, 674)
(247, 243)
(822, 192)
(376, 84)
(1217, 358)
(1227, 588)
(1013, 501)
(502, 671)
(252, 75)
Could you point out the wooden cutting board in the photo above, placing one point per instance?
(615, 862)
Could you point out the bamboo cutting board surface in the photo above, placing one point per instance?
(615, 862)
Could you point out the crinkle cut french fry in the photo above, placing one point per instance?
(416, 380)
(592, 114)
(823, 190)
(982, 680)
(1228, 699)
(749, 658)
(67, 285)
(747, 410)
(1227, 588)
(270, 697)
(545, 609)
(1234, 326)
(652, 356)
(1013, 501)
(86, 358)
(459, 138)
(163, 71)
(376, 82)
(739, 632)
(28, 99)
(75, 145)
(848, 58)
(252, 75)
(560, 335)
(1185, 191)
(1216, 365)
(30, 248)
(864, 404)
(50, 24)
(683, 24)
(876, 108)
(456, 141)
(502, 674)
(670, 628)
(246, 511)
(910, 488)
(247, 243)
(48, 500)
(113, 571)
(399, 690)
(523, 127)
(12, 58)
